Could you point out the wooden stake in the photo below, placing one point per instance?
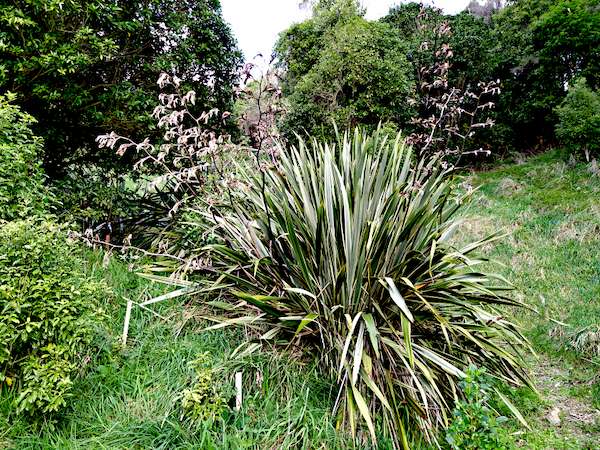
(238, 391)
(126, 325)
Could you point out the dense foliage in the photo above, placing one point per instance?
(84, 67)
(298, 48)
(361, 77)
(474, 424)
(579, 120)
(348, 70)
(533, 47)
(48, 315)
(22, 190)
(541, 45)
(343, 249)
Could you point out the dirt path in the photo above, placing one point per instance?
(573, 420)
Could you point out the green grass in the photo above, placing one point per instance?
(130, 399)
(550, 209)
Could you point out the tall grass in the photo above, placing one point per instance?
(343, 250)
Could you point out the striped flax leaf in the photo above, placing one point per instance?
(343, 250)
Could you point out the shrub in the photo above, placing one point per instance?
(22, 190)
(579, 120)
(474, 425)
(48, 314)
(344, 251)
(203, 402)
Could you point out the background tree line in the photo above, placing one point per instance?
(341, 66)
(83, 68)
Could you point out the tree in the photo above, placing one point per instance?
(344, 68)
(82, 68)
(472, 45)
(453, 95)
(299, 47)
(416, 25)
(541, 46)
(470, 39)
(362, 77)
(567, 37)
(578, 127)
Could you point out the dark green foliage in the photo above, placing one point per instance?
(579, 120)
(534, 47)
(567, 38)
(474, 424)
(103, 200)
(542, 45)
(83, 68)
(361, 76)
(470, 40)
(48, 314)
(472, 43)
(22, 190)
(403, 19)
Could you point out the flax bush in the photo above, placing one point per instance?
(344, 250)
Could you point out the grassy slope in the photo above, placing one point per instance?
(550, 209)
(132, 398)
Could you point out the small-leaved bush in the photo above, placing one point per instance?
(22, 190)
(579, 120)
(48, 314)
(203, 402)
(475, 426)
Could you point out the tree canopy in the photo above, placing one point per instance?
(82, 68)
(361, 77)
(343, 68)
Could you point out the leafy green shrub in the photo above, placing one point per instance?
(474, 425)
(48, 313)
(22, 190)
(361, 77)
(344, 250)
(579, 120)
(204, 401)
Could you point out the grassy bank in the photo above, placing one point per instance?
(132, 398)
(550, 209)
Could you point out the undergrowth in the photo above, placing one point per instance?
(132, 398)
